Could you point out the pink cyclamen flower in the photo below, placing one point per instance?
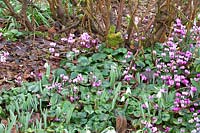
(171, 55)
(195, 114)
(2, 58)
(78, 79)
(51, 50)
(154, 129)
(64, 77)
(143, 38)
(177, 78)
(128, 77)
(159, 66)
(151, 97)
(178, 94)
(193, 89)
(18, 80)
(176, 109)
(196, 104)
(143, 77)
(156, 106)
(196, 79)
(177, 100)
(75, 50)
(192, 109)
(185, 81)
(128, 55)
(170, 82)
(97, 83)
(57, 54)
(70, 40)
(5, 54)
(99, 92)
(178, 21)
(94, 41)
(154, 119)
(178, 84)
(182, 130)
(72, 99)
(144, 106)
(188, 54)
(85, 37)
(56, 119)
(52, 44)
(64, 39)
(187, 72)
(187, 101)
(167, 129)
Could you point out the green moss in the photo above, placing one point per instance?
(114, 40)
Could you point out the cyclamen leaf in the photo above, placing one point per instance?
(68, 108)
(88, 109)
(165, 116)
(83, 61)
(120, 50)
(59, 71)
(99, 56)
(140, 63)
(34, 88)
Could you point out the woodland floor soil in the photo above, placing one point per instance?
(26, 60)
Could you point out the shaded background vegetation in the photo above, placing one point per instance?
(147, 20)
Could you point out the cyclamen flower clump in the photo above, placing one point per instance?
(84, 41)
(195, 35)
(151, 126)
(78, 79)
(128, 76)
(64, 78)
(174, 68)
(52, 49)
(179, 30)
(129, 54)
(71, 86)
(195, 119)
(57, 86)
(94, 81)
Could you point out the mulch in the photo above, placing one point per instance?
(26, 60)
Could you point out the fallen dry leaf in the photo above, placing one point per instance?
(121, 124)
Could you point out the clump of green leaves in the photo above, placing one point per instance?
(90, 89)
